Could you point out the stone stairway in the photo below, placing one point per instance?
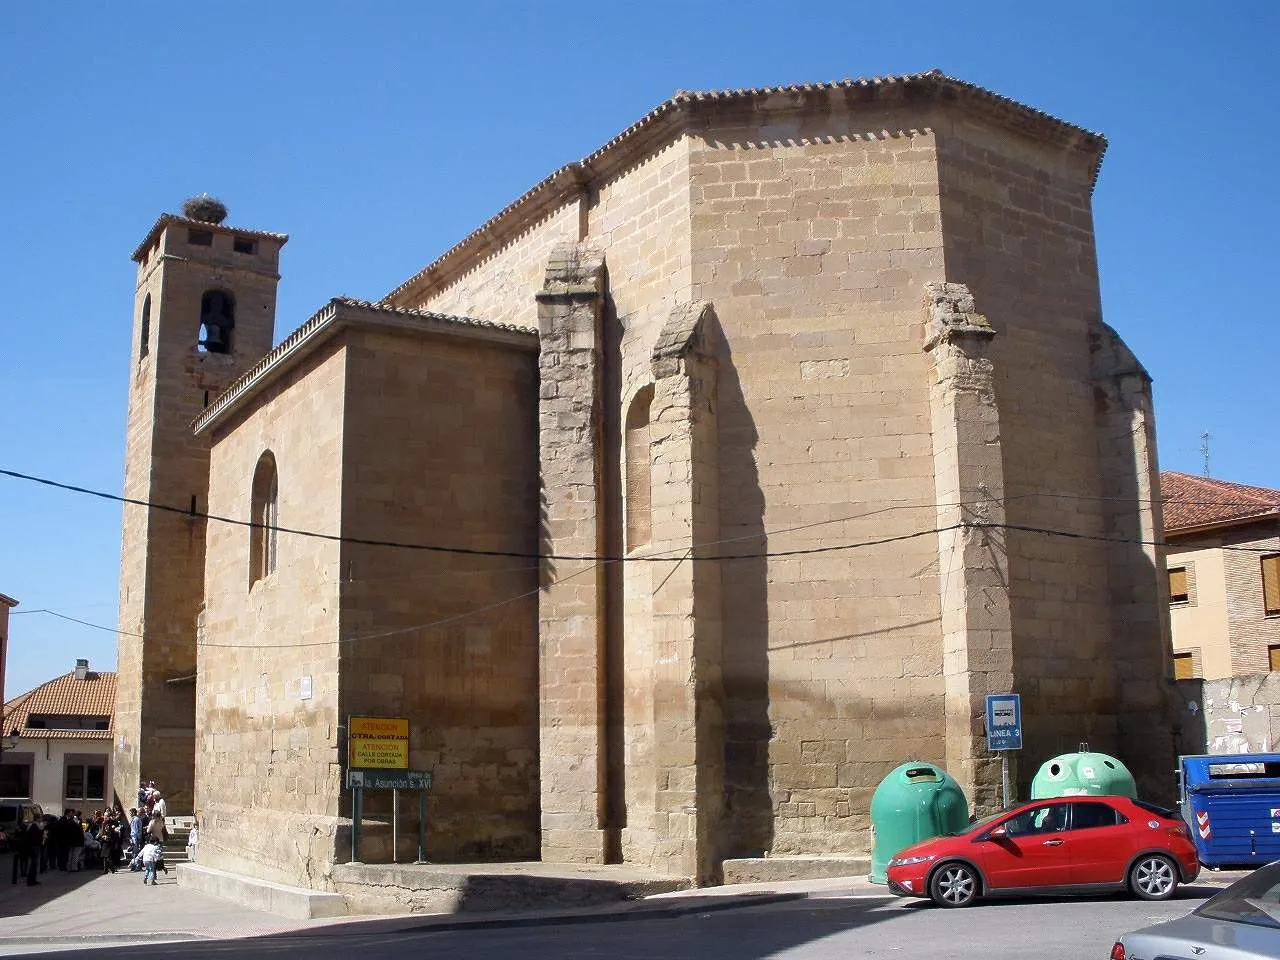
(175, 848)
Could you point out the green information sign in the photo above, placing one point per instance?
(389, 779)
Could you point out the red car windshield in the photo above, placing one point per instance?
(979, 824)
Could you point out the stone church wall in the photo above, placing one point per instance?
(441, 448)
(641, 219)
(814, 246)
(267, 755)
(499, 286)
(1017, 218)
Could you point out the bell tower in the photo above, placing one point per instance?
(204, 313)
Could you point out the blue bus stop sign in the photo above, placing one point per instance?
(1004, 721)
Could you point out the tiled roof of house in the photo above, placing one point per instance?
(572, 177)
(1192, 502)
(65, 696)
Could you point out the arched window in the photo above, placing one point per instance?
(217, 320)
(265, 516)
(639, 470)
(144, 338)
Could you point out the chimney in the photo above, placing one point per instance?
(82, 669)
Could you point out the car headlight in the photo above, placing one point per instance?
(910, 861)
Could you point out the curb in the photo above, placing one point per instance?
(108, 939)
(425, 924)
(631, 911)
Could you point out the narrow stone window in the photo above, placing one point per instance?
(200, 238)
(639, 478)
(265, 516)
(244, 245)
(217, 321)
(145, 337)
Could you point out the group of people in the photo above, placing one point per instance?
(69, 843)
(72, 841)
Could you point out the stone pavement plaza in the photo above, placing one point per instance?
(89, 909)
(798, 920)
(71, 910)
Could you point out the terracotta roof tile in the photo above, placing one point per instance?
(94, 696)
(1191, 502)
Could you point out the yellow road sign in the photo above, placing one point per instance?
(378, 743)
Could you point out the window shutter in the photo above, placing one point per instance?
(1183, 667)
(1271, 583)
(1273, 653)
(1178, 585)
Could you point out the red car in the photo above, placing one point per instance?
(1079, 843)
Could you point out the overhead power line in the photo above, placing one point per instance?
(674, 555)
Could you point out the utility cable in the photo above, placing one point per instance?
(633, 558)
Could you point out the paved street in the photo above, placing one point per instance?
(826, 924)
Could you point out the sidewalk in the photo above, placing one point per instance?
(92, 907)
(89, 908)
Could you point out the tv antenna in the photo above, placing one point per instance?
(1204, 450)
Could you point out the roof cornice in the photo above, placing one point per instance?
(1194, 529)
(679, 114)
(8, 601)
(340, 313)
(167, 218)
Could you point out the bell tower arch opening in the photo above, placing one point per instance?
(217, 321)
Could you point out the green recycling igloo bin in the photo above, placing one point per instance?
(1083, 774)
(915, 802)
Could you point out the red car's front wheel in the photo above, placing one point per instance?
(954, 885)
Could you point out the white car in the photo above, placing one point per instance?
(1240, 923)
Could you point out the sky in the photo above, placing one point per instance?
(379, 134)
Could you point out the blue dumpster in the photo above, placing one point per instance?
(1231, 802)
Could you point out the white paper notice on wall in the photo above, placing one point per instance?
(304, 688)
(1234, 726)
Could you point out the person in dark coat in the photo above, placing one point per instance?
(60, 838)
(35, 845)
(21, 845)
(109, 837)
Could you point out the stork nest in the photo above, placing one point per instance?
(204, 208)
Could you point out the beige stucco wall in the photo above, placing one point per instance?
(815, 257)
(1226, 617)
(267, 761)
(48, 759)
(441, 448)
(1200, 625)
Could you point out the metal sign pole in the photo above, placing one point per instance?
(357, 798)
(422, 826)
(395, 825)
(1004, 776)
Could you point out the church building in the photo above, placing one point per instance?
(722, 472)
